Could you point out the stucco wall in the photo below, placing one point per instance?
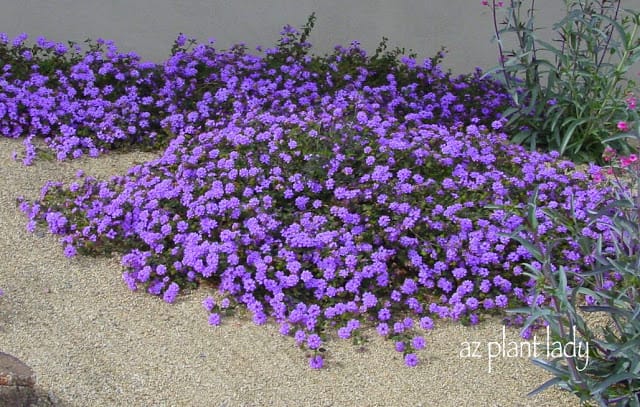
(150, 26)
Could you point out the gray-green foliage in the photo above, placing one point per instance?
(604, 318)
(568, 93)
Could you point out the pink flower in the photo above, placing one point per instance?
(623, 126)
(626, 161)
(631, 102)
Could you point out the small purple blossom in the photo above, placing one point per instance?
(299, 336)
(316, 362)
(314, 341)
(208, 303)
(418, 342)
(344, 332)
(411, 359)
(70, 251)
(171, 292)
(214, 319)
(426, 323)
(383, 329)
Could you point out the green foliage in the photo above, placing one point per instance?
(567, 95)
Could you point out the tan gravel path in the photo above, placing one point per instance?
(92, 342)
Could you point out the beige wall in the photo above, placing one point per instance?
(150, 26)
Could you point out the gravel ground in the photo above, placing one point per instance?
(92, 342)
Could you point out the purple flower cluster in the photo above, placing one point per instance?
(324, 209)
(103, 99)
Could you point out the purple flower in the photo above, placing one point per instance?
(409, 286)
(314, 341)
(69, 251)
(411, 359)
(344, 332)
(208, 303)
(383, 329)
(353, 324)
(426, 323)
(285, 328)
(316, 362)
(459, 272)
(259, 318)
(418, 342)
(171, 293)
(369, 300)
(299, 336)
(472, 303)
(502, 301)
(214, 319)
(488, 303)
(156, 287)
(384, 314)
(399, 346)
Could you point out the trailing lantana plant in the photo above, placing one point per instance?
(100, 99)
(324, 208)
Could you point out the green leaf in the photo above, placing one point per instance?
(550, 367)
(586, 291)
(551, 48)
(621, 30)
(557, 115)
(531, 209)
(535, 252)
(574, 123)
(619, 137)
(611, 380)
(632, 344)
(521, 137)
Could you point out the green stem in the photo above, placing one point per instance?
(606, 46)
(499, 41)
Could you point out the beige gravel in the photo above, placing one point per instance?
(92, 342)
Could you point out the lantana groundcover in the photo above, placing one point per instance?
(322, 192)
